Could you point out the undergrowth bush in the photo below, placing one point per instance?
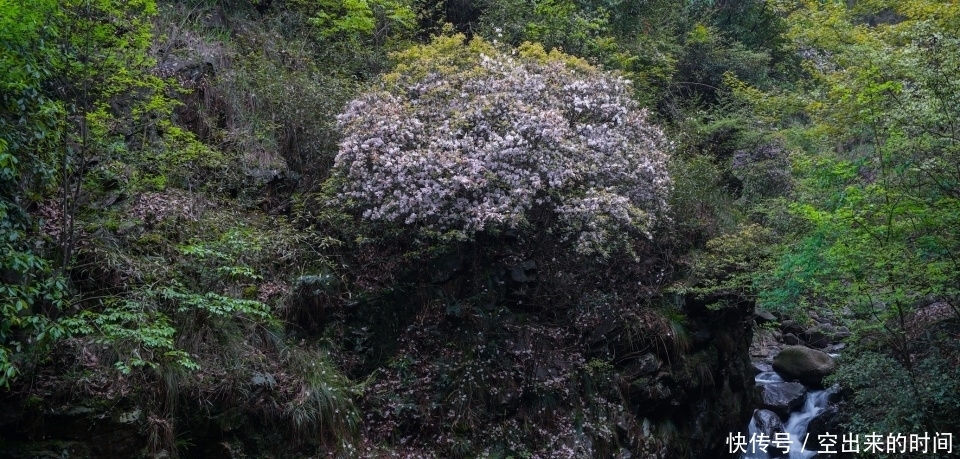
(887, 397)
(281, 116)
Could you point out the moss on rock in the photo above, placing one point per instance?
(799, 363)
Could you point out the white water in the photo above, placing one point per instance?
(795, 427)
(767, 377)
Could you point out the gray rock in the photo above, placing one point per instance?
(763, 317)
(840, 336)
(782, 398)
(648, 364)
(791, 340)
(769, 424)
(761, 367)
(791, 326)
(809, 366)
(816, 338)
(829, 420)
(841, 333)
(263, 379)
(130, 417)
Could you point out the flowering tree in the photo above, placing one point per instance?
(465, 139)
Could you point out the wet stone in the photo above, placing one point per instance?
(783, 397)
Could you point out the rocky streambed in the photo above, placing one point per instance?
(798, 416)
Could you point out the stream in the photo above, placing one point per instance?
(795, 427)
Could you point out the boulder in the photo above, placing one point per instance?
(769, 424)
(791, 326)
(782, 397)
(815, 337)
(791, 340)
(809, 366)
(841, 333)
(762, 317)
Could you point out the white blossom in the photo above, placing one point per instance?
(476, 149)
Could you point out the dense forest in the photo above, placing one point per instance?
(477, 228)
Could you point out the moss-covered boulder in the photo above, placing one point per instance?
(809, 366)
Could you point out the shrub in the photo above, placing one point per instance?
(466, 139)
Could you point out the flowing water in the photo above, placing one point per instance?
(796, 425)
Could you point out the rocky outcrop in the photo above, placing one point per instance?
(830, 420)
(710, 396)
(782, 398)
(808, 366)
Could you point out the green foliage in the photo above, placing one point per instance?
(142, 336)
(353, 37)
(31, 122)
(670, 51)
(213, 304)
(147, 326)
(360, 19)
(876, 206)
(724, 273)
(324, 400)
(101, 184)
(94, 120)
(878, 191)
(887, 397)
(289, 120)
(561, 24)
(702, 205)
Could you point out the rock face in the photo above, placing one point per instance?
(827, 421)
(769, 424)
(782, 398)
(714, 394)
(809, 366)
